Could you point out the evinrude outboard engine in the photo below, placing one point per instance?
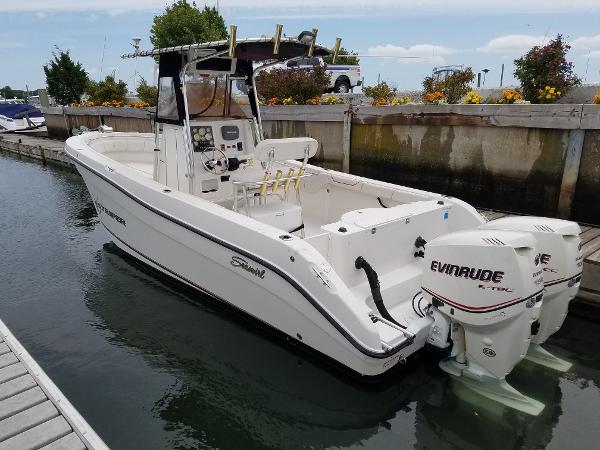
(486, 286)
(561, 262)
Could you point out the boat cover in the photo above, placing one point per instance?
(19, 111)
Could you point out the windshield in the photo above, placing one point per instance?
(213, 96)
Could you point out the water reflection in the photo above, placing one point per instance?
(239, 385)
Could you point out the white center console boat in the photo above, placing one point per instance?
(364, 272)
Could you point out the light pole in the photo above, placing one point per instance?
(485, 71)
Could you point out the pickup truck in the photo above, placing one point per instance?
(343, 77)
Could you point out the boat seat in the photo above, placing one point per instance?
(279, 214)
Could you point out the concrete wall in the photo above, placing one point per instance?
(60, 120)
(513, 169)
(586, 204)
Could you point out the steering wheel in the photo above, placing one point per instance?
(214, 160)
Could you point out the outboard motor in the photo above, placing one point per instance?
(561, 262)
(486, 287)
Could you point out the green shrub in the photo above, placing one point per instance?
(146, 93)
(380, 93)
(107, 90)
(454, 87)
(546, 66)
(299, 85)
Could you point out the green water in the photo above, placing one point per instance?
(152, 366)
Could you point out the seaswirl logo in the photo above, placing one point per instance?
(467, 272)
(236, 261)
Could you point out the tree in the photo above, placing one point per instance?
(107, 90)
(182, 23)
(546, 66)
(66, 79)
(299, 85)
(454, 86)
(146, 93)
(351, 61)
(7, 92)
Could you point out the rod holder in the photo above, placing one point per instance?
(277, 38)
(311, 49)
(336, 49)
(232, 40)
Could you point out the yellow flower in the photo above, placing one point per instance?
(552, 90)
(558, 93)
(547, 88)
(548, 96)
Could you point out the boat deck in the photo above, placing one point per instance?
(34, 413)
(590, 239)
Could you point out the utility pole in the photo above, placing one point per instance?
(502, 75)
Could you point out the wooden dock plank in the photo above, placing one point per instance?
(68, 442)
(491, 215)
(21, 402)
(594, 258)
(27, 419)
(13, 371)
(591, 251)
(7, 360)
(589, 235)
(33, 411)
(16, 386)
(38, 436)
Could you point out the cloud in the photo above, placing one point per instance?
(41, 14)
(588, 46)
(417, 53)
(381, 7)
(10, 45)
(512, 43)
(587, 42)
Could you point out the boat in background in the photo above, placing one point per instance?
(20, 117)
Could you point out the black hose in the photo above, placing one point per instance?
(381, 203)
(361, 263)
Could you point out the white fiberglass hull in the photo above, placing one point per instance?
(225, 258)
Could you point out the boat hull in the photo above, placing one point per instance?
(261, 289)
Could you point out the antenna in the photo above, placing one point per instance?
(102, 60)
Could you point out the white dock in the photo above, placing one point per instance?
(34, 414)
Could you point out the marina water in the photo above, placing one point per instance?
(151, 365)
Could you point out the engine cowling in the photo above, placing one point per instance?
(487, 283)
(561, 261)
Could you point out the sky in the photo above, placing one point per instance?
(480, 34)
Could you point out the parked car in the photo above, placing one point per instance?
(343, 77)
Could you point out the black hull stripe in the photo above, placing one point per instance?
(364, 350)
(562, 280)
(481, 311)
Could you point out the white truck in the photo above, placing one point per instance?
(344, 77)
